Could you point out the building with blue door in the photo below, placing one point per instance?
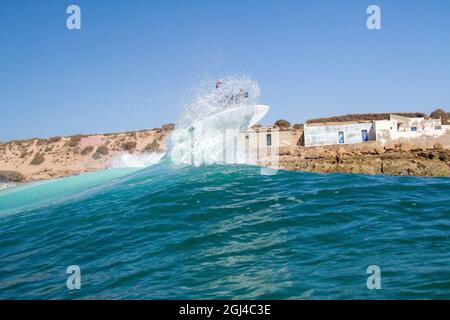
(329, 133)
(397, 127)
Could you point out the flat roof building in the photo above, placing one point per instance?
(331, 133)
(259, 143)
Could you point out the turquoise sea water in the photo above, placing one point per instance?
(168, 232)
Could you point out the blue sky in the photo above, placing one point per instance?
(133, 63)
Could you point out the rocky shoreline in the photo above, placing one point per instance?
(396, 159)
(10, 176)
(40, 159)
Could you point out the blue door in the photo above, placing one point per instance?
(364, 135)
(341, 137)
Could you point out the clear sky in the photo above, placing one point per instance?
(133, 63)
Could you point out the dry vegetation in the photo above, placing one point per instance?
(282, 123)
(87, 150)
(152, 147)
(38, 159)
(365, 117)
(441, 114)
(129, 146)
(101, 151)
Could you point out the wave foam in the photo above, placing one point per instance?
(6, 185)
(127, 160)
(208, 130)
(208, 101)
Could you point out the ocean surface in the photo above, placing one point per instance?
(210, 232)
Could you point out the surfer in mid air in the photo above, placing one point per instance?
(234, 98)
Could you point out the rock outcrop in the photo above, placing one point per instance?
(402, 159)
(11, 176)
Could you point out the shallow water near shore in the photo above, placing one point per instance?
(33, 194)
(168, 232)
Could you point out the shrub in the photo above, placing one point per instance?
(298, 126)
(101, 151)
(54, 139)
(152, 147)
(168, 127)
(76, 138)
(37, 160)
(96, 156)
(282, 123)
(439, 113)
(129, 146)
(71, 144)
(87, 150)
(41, 142)
(74, 141)
(366, 117)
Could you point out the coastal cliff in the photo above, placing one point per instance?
(40, 159)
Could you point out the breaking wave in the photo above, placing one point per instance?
(208, 100)
(208, 129)
(212, 113)
(6, 185)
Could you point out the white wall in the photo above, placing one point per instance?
(400, 127)
(255, 147)
(320, 135)
(385, 130)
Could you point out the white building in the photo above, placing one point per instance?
(446, 128)
(402, 127)
(330, 133)
(263, 142)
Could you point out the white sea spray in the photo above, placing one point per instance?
(128, 160)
